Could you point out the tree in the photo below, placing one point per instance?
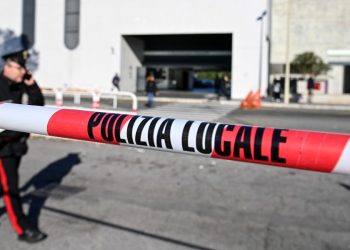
(309, 63)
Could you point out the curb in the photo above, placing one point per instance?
(295, 105)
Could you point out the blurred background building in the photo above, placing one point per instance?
(318, 26)
(186, 44)
(85, 42)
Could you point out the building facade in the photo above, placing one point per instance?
(319, 26)
(83, 43)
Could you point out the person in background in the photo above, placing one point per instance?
(151, 90)
(310, 88)
(226, 87)
(115, 81)
(276, 88)
(16, 80)
(217, 85)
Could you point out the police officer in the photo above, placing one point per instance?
(16, 80)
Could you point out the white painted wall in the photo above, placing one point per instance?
(102, 23)
(132, 58)
(11, 15)
(10, 26)
(336, 75)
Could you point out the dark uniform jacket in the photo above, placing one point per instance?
(151, 86)
(13, 143)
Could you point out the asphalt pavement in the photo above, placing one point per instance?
(96, 196)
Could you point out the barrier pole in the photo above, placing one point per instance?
(123, 93)
(308, 150)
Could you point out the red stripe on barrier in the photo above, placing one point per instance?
(316, 151)
(288, 148)
(7, 200)
(57, 125)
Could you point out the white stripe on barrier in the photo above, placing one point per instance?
(175, 138)
(343, 165)
(193, 135)
(156, 128)
(34, 119)
(136, 125)
(123, 131)
(144, 134)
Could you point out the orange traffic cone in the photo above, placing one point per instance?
(256, 100)
(245, 104)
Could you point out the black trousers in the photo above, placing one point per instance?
(9, 179)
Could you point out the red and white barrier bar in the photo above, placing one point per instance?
(315, 151)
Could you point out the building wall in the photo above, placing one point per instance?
(336, 79)
(132, 59)
(102, 23)
(11, 15)
(315, 25)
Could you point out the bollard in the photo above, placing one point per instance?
(115, 102)
(96, 99)
(77, 99)
(59, 97)
(308, 150)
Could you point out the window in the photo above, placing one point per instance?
(28, 21)
(71, 23)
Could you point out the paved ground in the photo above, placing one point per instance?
(94, 196)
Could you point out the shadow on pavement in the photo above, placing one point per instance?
(127, 229)
(44, 183)
(346, 186)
